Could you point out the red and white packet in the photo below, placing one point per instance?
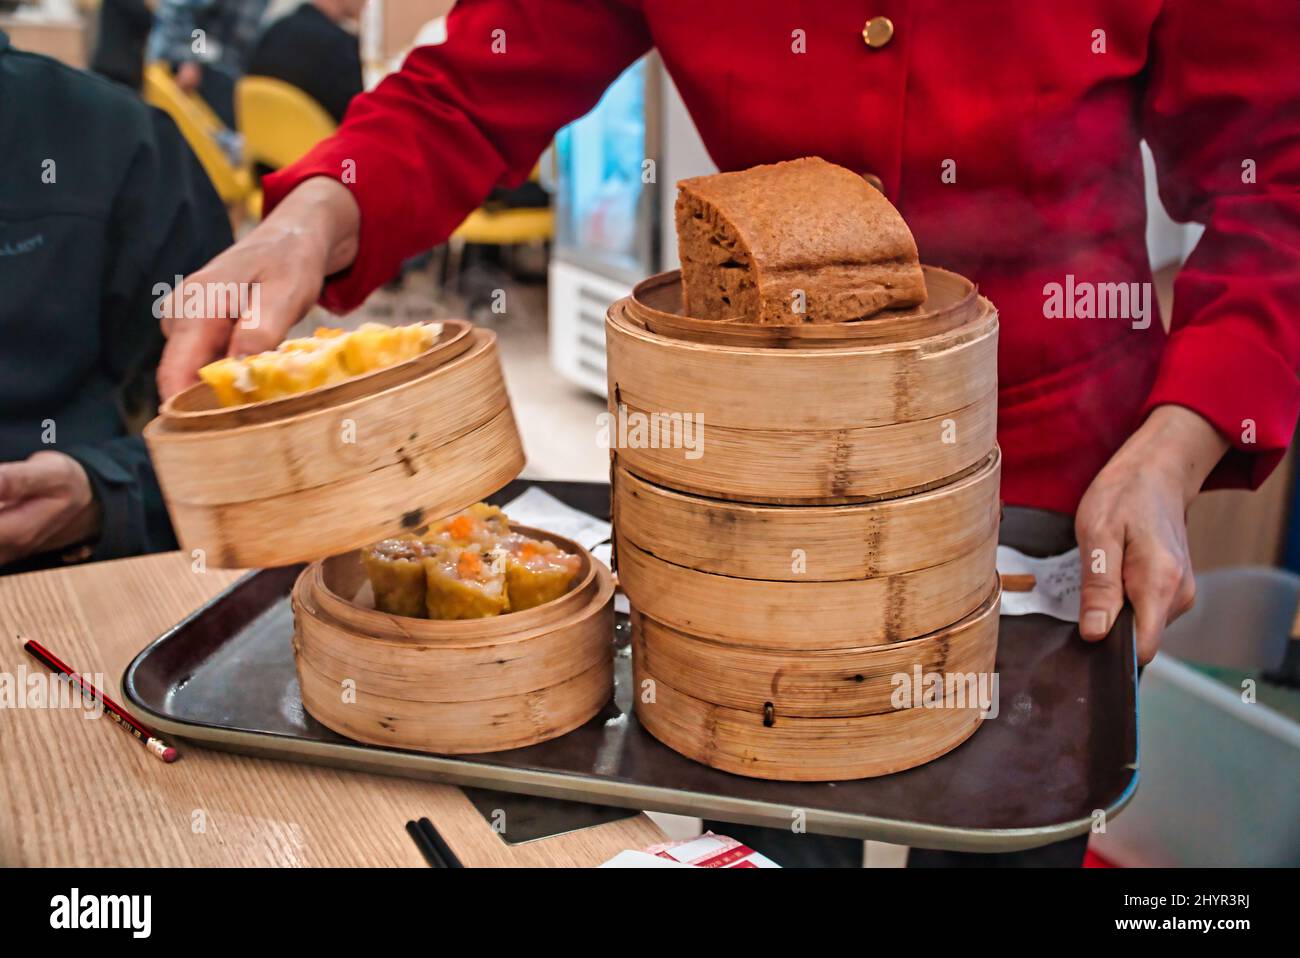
(711, 851)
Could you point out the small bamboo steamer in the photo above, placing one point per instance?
(795, 749)
(819, 683)
(453, 687)
(810, 543)
(851, 418)
(336, 468)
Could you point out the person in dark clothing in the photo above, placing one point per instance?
(124, 27)
(311, 50)
(102, 206)
(207, 42)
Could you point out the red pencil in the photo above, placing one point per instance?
(121, 716)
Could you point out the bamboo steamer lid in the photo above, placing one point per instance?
(810, 543)
(452, 687)
(833, 413)
(337, 468)
(816, 683)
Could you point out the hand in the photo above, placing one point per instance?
(263, 284)
(189, 75)
(1132, 526)
(46, 503)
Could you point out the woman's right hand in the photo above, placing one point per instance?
(255, 291)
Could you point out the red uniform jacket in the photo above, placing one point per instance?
(1036, 107)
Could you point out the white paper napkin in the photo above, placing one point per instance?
(1056, 587)
(541, 510)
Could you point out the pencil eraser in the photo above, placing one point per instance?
(169, 754)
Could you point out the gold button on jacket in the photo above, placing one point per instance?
(877, 32)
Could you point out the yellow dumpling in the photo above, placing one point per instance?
(480, 524)
(395, 568)
(464, 584)
(226, 377)
(375, 346)
(326, 357)
(537, 571)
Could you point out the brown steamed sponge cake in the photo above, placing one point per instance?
(751, 241)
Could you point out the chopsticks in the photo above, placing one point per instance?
(125, 720)
(432, 845)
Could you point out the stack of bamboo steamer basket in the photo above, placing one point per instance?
(329, 471)
(836, 529)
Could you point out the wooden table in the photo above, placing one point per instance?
(76, 792)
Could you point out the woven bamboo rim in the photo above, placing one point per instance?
(197, 408)
(340, 589)
(951, 300)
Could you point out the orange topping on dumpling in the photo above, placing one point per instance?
(469, 565)
(462, 527)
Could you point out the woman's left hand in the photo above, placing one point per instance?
(1132, 526)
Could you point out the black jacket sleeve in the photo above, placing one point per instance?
(167, 221)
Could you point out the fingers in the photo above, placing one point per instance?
(22, 480)
(1185, 597)
(29, 508)
(20, 528)
(243, 302)
(1161, 587)
(1101, 552)
(191, 343)
(268, 319)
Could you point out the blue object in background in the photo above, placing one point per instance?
(604, 206)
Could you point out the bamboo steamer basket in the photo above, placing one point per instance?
(769, 744)
(339, 467)
(798, 749)
(839, 412)
(817, 683)
(806, 615)
(820, 543)
(452, 687)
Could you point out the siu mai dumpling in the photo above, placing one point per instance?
(537, 571)
(395, 568)
(480, 525)
(464, 584)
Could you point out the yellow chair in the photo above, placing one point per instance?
(199, 125)
(278, 121)
(507, 227)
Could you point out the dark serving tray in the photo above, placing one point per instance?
(1063, 746)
